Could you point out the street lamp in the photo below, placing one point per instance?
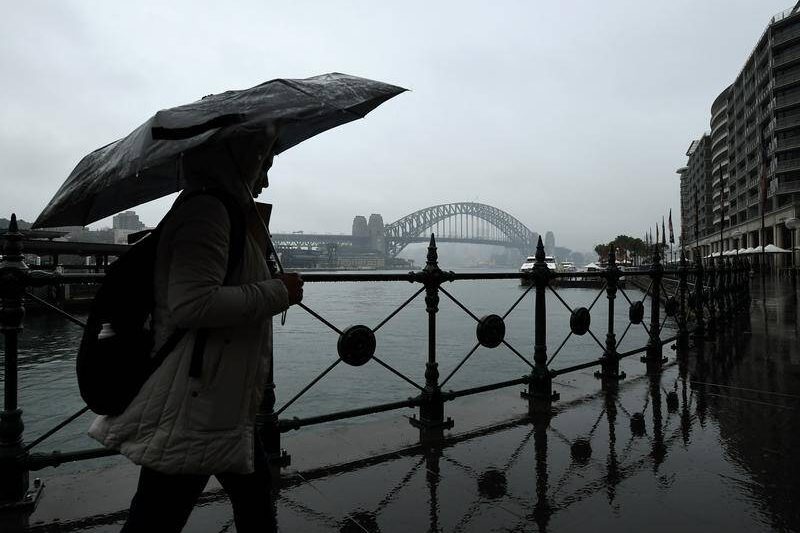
(793, 223)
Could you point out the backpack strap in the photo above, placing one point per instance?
(235, 253)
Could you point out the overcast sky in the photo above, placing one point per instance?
(571, 115)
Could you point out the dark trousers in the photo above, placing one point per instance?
(163, 502)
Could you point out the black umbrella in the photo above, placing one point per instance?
(146, 164)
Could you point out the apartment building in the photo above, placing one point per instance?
(755, 132)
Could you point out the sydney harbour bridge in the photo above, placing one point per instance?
(463, 222)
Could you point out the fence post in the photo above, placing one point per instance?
(14, 477)
(730, 288)
(747, 276)
(734, 285)
(711, 298)
(700, 322)
(722, 292)
(610, 373)
(431, 422)
(654, 349)
(683, 276)
(540, 393)
(743, 287)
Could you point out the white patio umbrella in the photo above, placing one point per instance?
(772, 249)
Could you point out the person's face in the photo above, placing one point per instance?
(261, 179)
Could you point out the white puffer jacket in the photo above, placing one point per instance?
(179, 424)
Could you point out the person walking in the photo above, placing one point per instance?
(191, 421)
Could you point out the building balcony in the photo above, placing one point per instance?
(787, 100)
(786, 58)
(787, 144)
(785, 36)
(722, 150)
(771, 145)
(724, 128)
(787, 122)
(788, 187)
(720, 117)
(788, 166)
(783, 80)
(766, 91)
(768, 110)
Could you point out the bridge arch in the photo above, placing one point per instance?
(410, 228)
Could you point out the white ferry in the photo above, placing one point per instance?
(530, 261)
(567, 266)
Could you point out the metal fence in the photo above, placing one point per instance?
(700, 300)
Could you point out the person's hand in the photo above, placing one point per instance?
(294, 284)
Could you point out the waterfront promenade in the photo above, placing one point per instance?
(707, 444)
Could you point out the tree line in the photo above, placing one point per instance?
(626, 247)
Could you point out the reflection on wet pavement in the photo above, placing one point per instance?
(707, 445)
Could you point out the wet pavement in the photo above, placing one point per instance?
(709, 444)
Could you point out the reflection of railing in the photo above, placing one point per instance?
(719, 291)
(567, 462)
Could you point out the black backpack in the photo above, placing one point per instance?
(112, 368)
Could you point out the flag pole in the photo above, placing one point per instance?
(696, 224)
(763, 202)
(721, 213)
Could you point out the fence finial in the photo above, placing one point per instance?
(432, 262)
(540, 251)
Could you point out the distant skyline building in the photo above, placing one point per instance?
(124, 224)
(127, 220)
(696, 208)
(752, 151)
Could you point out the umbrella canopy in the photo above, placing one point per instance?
(729, 252)
(742, 251)
(148, 163)
(772, 249)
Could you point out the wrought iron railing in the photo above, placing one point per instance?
(699, 299)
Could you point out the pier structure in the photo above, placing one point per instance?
(700, 303)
